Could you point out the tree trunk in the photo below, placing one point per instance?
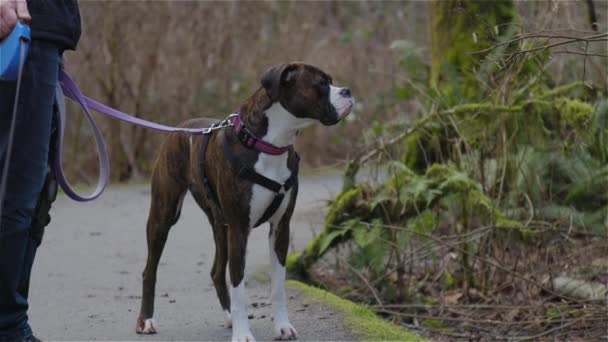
(459, 27)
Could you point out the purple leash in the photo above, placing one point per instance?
(71, 91)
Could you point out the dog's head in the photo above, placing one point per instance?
(307, 92)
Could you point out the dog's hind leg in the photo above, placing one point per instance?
(167, 197)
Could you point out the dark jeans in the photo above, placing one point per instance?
(27, 170)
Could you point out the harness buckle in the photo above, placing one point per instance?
(246, 138)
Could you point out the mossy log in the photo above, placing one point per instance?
(344, 204)
(387, 203)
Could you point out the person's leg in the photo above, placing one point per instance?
(27, 169)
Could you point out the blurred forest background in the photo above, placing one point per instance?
(168, 62)
(486, 121)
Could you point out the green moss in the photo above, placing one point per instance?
(313, 245)
(434, 324)
(538, 107)
(341, 205)
(350, 174)
(297, 264)
(484, 108)
(449, 280)
(456, 30)
(344, 204)
(413, 157)
(574, 112)
(503, 222)
(360, 319)
(570, 89)
(292, 261)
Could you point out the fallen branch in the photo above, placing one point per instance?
(491, 321)
(547, 332)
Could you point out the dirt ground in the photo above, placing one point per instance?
(86, 282)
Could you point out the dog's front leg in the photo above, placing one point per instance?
(279, 242)
(237, 248)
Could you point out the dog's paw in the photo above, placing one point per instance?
(284, 331)
(243, 337)
(227, 319)
(147, 326)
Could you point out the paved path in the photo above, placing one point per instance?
(86, 283)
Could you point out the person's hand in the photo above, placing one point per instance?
(10, 12)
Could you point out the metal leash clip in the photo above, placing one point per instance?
(227, 122)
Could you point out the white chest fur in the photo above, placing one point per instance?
(282, 129)
(275, 168)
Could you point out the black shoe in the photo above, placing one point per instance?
(32, 339)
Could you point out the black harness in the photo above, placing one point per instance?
(248, 173)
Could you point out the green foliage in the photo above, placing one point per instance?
(449, 281)
(479, 164)
(498, 148)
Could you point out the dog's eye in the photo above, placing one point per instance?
(323, 83)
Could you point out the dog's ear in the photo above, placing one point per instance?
(275, 76)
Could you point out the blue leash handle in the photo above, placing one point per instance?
(10, 52)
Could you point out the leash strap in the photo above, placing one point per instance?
(68, 88)
(72, 92)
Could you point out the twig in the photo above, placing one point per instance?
(532, 211)
(503, 136)
(371, 288)
(581, 53)
(537, 35)
(471, 306)
(547, 332)
(382, 145)
(548, 46)
(585, 61)
(490, 321)
(515, 274)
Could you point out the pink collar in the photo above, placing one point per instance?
(250, 141)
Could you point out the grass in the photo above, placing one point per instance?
(362, 321)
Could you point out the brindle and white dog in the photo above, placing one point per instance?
(291, 97)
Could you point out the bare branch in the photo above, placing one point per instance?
(581, 53)
(570, 39)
